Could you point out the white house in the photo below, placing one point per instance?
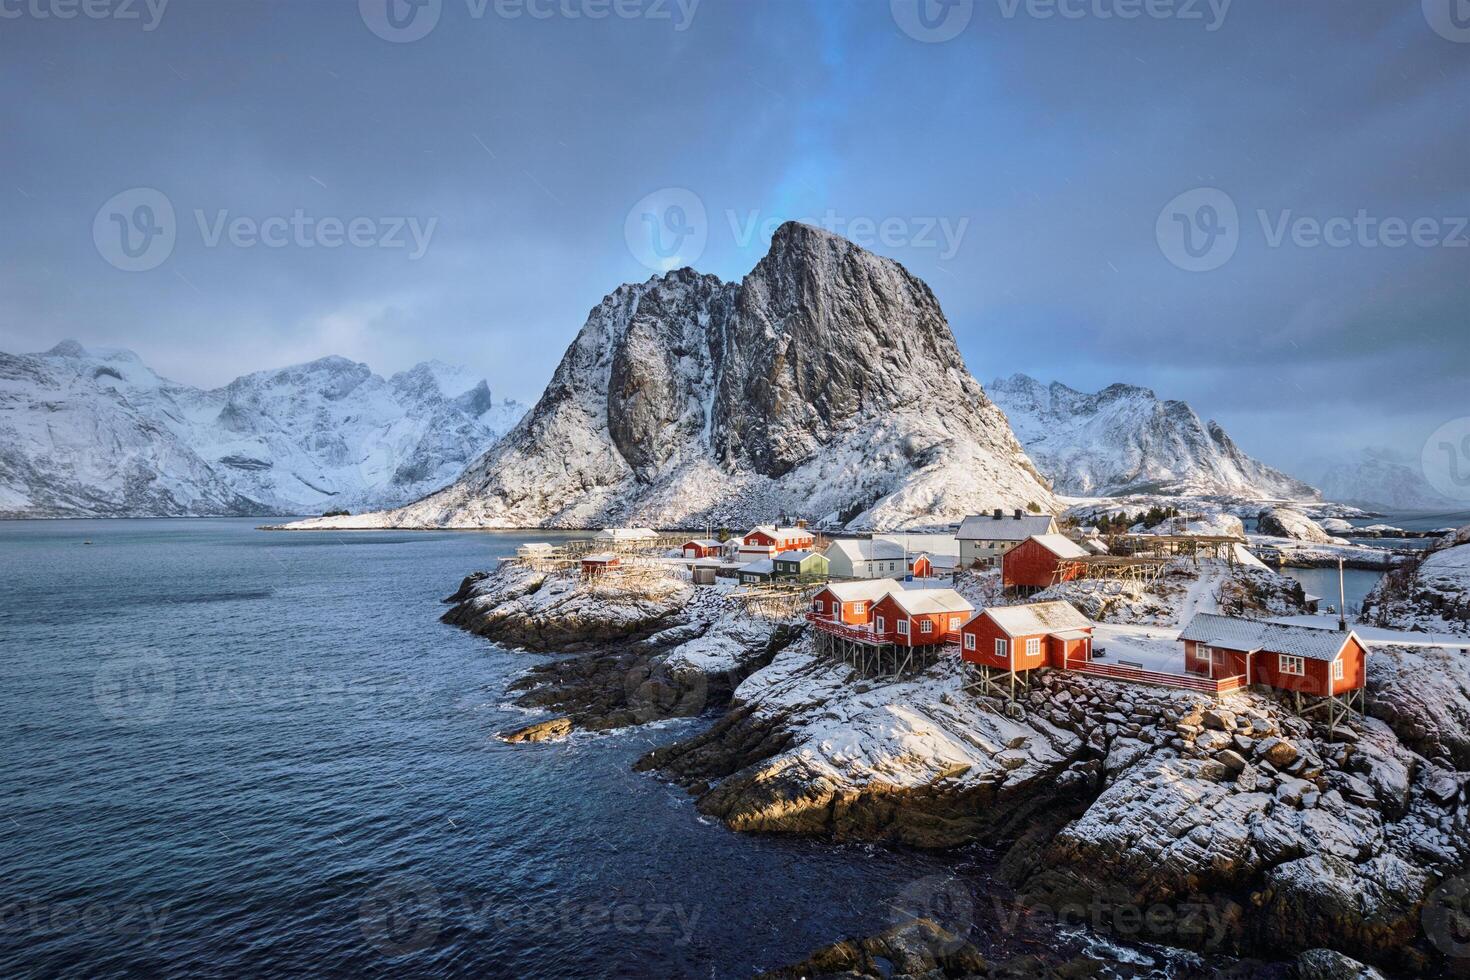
(934, 545)
(626, 535)
(864, 558)
(984, 538)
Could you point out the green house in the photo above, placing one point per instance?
(805, 566)
(757, 572)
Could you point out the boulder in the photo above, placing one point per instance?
(1286, 522)
(1219, 719)
(1232, 760)
(1277, 751)
(542, 731)
(1213, 741)
(1291, 790)
(1329, 964)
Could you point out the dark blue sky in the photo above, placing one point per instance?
(1024, 166)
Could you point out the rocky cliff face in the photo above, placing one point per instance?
(1430, 596)
(826, 385)
(98, 434)
(1124, 440)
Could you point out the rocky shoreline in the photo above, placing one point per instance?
(670, 652)
(1240, 830)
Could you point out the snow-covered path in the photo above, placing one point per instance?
(1203, 593)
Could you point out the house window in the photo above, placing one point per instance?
(1033, 646)
(903, 627)
(1338, 672)
(1291, 665)
(821, 606)
(954, 622)
(926, 627)
(1203, 652)
(969, 641)
(1002, 649)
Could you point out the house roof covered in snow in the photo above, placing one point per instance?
(1060, 545)
(862, 549)
(1311, 642)
(1038, 617)
(867, 590)
(703, 542)
(763, 566)
(921, 602)
(601, 558)
(1007, 527)
(779, 532)
(797, 556)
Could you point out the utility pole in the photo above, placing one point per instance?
(1341, 599)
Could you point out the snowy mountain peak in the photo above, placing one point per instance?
(1379, 477)
(1124, 439)
(96, 432)
(825, 384)
(67, 348)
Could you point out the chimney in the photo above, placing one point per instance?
(1018, 513)
(997, 513)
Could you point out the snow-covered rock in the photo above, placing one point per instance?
(646, 650)
(1423, 693)
(1433, 596)
(1124, 439)
(826, 384)
(1381, 478)
(97, 433)
(1287, 522)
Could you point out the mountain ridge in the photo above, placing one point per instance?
(97, 433)
(1124, 439)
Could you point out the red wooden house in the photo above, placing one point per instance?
(768, 541)
(1039, 561)
(702, 548)
(595, 565)
(852, 602)
(920, 617)
(1314, 660)
(1041, 634)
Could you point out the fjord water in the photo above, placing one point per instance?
(240, 752)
